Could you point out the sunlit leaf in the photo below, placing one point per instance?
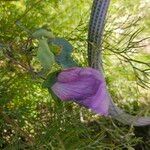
(45, 56)
(42, 33)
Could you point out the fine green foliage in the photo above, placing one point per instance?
(31, 118)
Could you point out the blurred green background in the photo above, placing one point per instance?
(30, 118)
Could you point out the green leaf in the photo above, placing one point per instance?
(42, 33)
(45, 56)
(64, 58)
(51, 79)
(49, 82)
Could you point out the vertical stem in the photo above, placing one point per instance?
(96, 28)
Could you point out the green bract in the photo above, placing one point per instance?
(64, 57)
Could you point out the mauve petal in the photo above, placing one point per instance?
(72, 74)
(85, 86)
(79, 89)
(91, 72)
(69, 75)
(98, 103)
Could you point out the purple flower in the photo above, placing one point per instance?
(85, 86)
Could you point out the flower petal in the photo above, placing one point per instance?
(85, 86)
(91, 72)
(69, 75)
(76, 90)
(98, 103)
